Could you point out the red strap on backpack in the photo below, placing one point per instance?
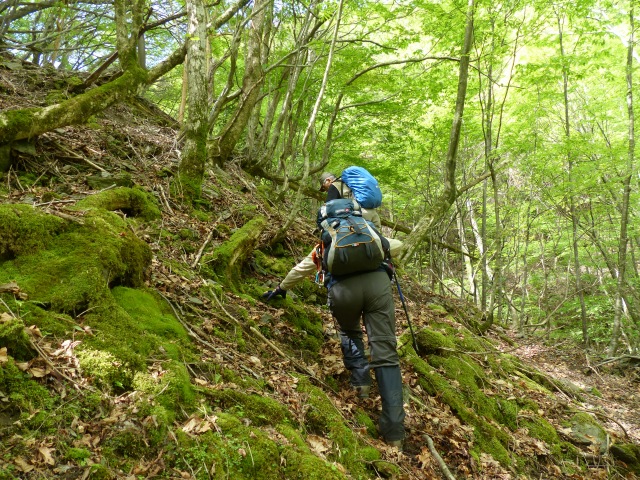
(317, 255)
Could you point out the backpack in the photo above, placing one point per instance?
(364, 186)
(351, 243)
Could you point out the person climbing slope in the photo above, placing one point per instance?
(364, 293)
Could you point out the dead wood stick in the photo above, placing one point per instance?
(54, 202)
(201, 251)
(45, 357)
(606, 417)
(443, 466)
(199, 339)
(300, 367)
(618, 359)
(256, 332)
(593, 369)
(11, 287)
(166, 200)
(71, 218)
(75, 156)
(206, 242)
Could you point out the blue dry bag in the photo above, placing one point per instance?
(364, 186)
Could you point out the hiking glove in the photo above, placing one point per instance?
(278, 292)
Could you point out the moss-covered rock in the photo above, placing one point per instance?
(79, 262)
(586, 430)
(24, 230)
(134, 202)
(629, 454)
(14, 338)
(226, 261)
(459, 369)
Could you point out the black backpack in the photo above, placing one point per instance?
(351, 243)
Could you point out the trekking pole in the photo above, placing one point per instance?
(406, 311)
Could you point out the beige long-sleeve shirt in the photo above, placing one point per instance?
(306, 268)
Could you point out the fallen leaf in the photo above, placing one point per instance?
(203, 427)
(318, 444)
(255, 360)
(424, 457)
(46, 455)
(4, 358)
(35, 331)
(190, 425)
(37, 372)
(23, 465)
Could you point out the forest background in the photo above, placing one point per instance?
(502, 133)
(507, 160)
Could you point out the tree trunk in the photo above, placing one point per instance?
(310, 130)
(448, 196)
(251, 87)
(572, 206)
(29, 122)
(468, 266)
(194, 151)
(226, 261)
(624, 219)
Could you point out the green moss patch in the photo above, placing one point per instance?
(259, 409)
(460, 369)
(15, 339)
(25, 230)
(134, 202)
(79, 263)
(324, 419)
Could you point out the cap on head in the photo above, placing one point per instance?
(324, 177)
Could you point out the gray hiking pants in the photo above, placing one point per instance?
(368, 296)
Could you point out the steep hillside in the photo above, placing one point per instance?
(134, 342)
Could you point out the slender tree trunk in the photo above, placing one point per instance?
(251, 87)
(448, 196)
(624, 220)
(572, 206)
(468, 266)
(309, 131)
(183, 93)
(194, 151)
(522, 318)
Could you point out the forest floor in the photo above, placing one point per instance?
(610, 391)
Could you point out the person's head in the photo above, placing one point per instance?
(326, 179)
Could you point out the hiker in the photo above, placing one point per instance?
(336, 188)
(365, 295)
(307, 267)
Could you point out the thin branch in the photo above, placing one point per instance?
(443, 466)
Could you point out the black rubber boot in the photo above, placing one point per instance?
(392, 418)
